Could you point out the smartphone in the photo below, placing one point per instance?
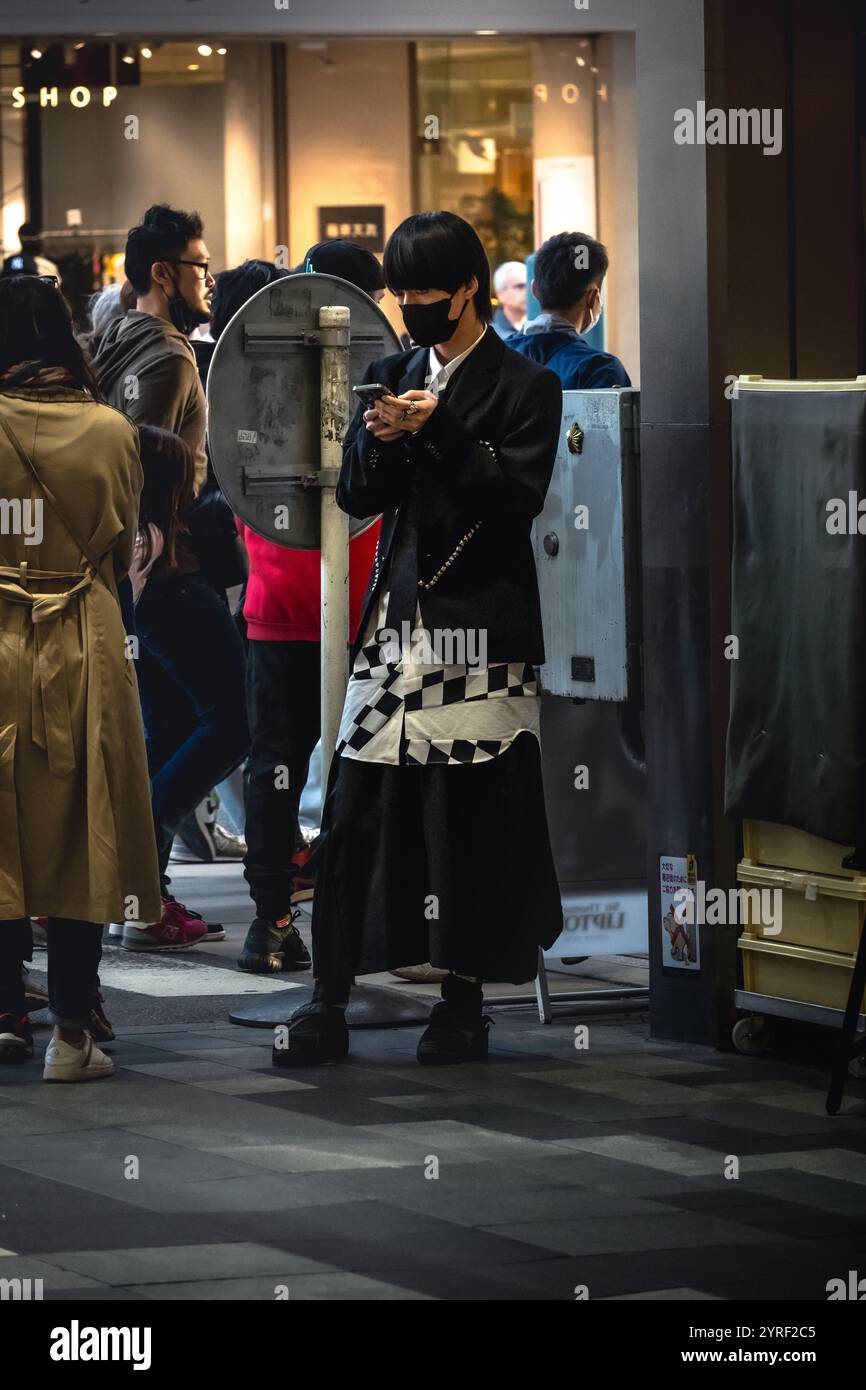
(371, 392)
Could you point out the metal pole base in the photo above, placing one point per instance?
(370, 1006)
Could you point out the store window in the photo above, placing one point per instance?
(100, 130)
(474, 149)
(529, 137)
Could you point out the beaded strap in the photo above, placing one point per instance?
(463, 541)
(455, 554)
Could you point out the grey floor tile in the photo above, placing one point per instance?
(173, 1264)
(664, 1296)
(331, 1286)
(52, 1276)
(672, 1231)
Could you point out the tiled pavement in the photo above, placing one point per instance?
(200, 1172)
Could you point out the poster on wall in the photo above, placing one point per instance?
(364, 225)
(681, 948)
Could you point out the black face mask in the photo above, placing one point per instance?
(182, 316)
(429, 324)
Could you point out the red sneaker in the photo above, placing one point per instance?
(169, 934)
(174, 911)
(303, 880)
(16, 1038)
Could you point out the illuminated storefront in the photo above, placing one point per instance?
(279, 145)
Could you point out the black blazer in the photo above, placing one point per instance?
(486, 454)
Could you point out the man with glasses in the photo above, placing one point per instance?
(145, 363)
(509, 283)
(191, 658)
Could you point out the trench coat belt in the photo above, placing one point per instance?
(51, 719)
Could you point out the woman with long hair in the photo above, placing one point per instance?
(78, 844)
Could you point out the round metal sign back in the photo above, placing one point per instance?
(264, 401)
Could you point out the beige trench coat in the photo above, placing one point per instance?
(76, 830)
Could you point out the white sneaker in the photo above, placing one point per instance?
(206, 842)
(63, 1062)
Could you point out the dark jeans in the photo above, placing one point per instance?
(127, 607)
(283, 702)
(191, 680)
(74, 953)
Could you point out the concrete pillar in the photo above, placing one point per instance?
(682, 800)
(249, 192)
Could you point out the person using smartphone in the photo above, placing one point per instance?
(435, 787)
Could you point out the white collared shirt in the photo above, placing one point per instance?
(440, 373)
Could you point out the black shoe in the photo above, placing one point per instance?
(269, 949)
(315, 1033)
(452, 1037)
(16, 1038)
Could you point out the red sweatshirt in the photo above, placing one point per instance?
(283, 602)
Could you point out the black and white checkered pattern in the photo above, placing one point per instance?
(438, 688)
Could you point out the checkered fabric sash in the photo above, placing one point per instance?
(438, 687)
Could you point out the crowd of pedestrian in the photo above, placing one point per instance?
(158, 657)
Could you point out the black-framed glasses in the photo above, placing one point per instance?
(200, 265)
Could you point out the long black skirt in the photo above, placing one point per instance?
(450, 865)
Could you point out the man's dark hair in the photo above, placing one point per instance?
(348, 261)
(29, 233)
(36, 325)
(438, 251)
(234, 287)
(565, 267)
(162, 235)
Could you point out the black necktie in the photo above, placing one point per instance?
(403, 577)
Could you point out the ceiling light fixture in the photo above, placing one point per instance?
(146, 52)
(36, 53)
(205, 50)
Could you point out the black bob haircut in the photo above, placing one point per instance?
(162, 235)
(234, 287)
(565, 267)
(438, 251)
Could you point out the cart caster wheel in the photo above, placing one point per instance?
(751, 1036)
(857, 1068)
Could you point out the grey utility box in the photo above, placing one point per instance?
(587, 549)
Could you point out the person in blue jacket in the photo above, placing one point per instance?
(569, 279)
